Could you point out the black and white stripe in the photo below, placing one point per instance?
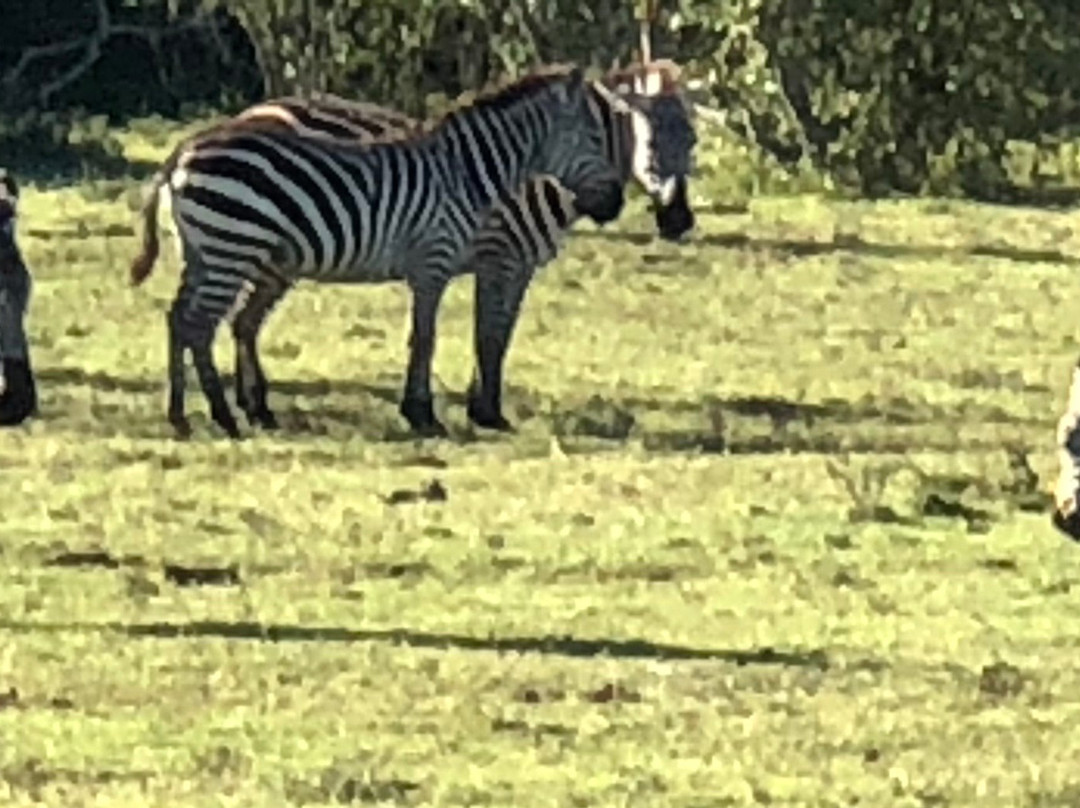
(649, 139)
(258, 207)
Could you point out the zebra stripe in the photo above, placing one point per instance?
(398, 208)
(1066, 516)
(650, 142)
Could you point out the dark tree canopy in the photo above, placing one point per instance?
(909, 95)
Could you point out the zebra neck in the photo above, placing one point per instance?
(618, 129)
(486, 156)
(622, 142)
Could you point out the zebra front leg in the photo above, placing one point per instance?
(1067, 492)
(497, 304)
(417, 405)
(251, 385)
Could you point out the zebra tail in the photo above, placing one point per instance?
(143, 263)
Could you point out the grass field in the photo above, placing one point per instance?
(773, 531)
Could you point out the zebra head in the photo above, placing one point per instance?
(18, 396)
(576, 152)
(661, 140)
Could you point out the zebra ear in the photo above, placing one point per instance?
(577, 80)
(572, 90)
(613, 99)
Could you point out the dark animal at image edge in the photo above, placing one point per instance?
(520, 234)
(18, 390)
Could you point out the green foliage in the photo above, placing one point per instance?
(49, 145)
(916, 96)
(393, 51)
(119, 58)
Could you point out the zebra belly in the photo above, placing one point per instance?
(379, 269)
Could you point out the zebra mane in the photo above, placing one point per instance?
(658, 77)
(498, 95)
(644, 81)
(316, 103)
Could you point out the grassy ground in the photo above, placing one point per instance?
(773, 531)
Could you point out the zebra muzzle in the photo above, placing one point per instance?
(602, 203)
(675, 218)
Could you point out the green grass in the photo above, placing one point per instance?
(773, 531)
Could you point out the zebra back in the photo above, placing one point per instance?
(329, 115)
(645, 121)
(247, 196)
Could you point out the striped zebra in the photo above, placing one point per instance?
(258, 208)
(651, 141)
(1066, 516)
(18, 392)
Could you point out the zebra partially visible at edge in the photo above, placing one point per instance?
(651, 142)
(1066, 514)
(258, 208)
(18, 391)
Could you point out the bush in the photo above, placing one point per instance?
(917, 96)
(910, 95)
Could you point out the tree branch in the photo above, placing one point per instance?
(91, 45)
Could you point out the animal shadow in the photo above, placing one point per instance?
(368, 410)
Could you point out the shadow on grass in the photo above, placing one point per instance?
(551, 646)
(709, 424)
(796, 248)
(779, 410)
(100, 382)
(53, 165)
(97, 381)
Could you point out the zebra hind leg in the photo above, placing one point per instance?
(196, 332)
(177, 348)
(210, 381)
(417, 404)
(497, 304)
(251, 385)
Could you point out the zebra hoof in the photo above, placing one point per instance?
(268, 421)
(1069, 524)
(433, 430)
(489, 419)
(263, 419)
(420, 413)
(225, 420)
(233, 432)
(181, 427)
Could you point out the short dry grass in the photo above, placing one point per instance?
(773, 531)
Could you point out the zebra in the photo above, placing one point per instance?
(652, 142)
(1066, 514)
(18, 391)
(257, 208)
